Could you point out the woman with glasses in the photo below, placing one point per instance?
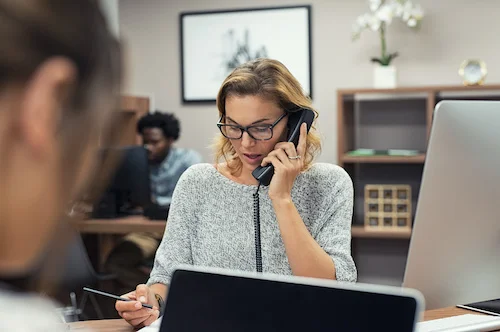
(305, 212)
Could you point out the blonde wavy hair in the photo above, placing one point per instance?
(269, 79)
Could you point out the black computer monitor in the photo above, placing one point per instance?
(128, 191)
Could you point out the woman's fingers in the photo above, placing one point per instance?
(142, 292)
(139, 322)
(288, 147)
(282, 157)
(285, 152)
(271, 159)
(301, 147)
(151, 318)
(124, 306)
(142, 313)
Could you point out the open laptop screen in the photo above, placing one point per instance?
(200, 301)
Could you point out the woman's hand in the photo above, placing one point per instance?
(133, 312)
(288, 162)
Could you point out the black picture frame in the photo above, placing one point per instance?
(214, 42)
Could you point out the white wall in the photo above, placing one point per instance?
(453, 30)
(110, 9)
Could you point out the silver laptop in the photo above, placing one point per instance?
(455, 246)
(201, 299)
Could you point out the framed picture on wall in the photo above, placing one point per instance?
(213, 43)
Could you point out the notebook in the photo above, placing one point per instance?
(491, 307)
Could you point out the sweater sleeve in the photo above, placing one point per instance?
(175, 247)
(335, 234)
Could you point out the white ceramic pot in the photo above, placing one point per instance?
(384, 77)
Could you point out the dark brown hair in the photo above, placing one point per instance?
(34, 31)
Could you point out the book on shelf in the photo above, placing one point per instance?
(389, 152)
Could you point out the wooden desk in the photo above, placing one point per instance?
(446, 312)
(108, 229)
(120, 226)
(141, 224)
(120, 325)
(105, 325)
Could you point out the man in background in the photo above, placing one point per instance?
(159, 131)
(132, 259)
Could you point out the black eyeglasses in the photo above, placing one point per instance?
(257, 132)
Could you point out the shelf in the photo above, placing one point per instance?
(388, 96)
(362, 232)
(418, 159)
(428, 89)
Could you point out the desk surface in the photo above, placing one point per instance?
(120, 325)
(142, 224)
(120, 226)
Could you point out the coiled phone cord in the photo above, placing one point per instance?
(256, 224)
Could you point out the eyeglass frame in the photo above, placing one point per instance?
(246, 128)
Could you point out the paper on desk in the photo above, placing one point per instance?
(154, 327)
(462, 323)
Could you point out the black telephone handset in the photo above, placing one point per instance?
(295, 119)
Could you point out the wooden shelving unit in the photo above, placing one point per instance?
(418, 159)
(384, 119)
(437, 89)
(124, 119)
(398, 118)
(132, 108)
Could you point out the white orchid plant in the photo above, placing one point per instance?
(381, 15)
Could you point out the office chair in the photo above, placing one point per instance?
(79, 272)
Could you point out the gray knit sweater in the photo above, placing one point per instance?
(210, 222)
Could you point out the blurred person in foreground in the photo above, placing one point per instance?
(59, 80)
